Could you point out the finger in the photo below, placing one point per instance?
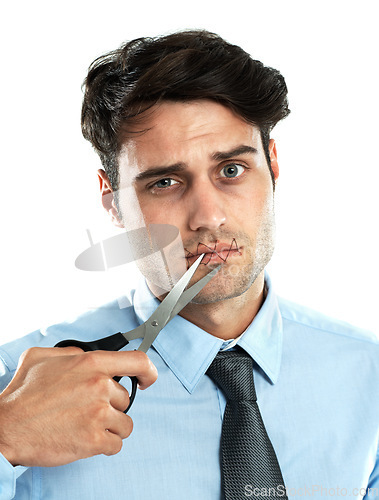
(120, 424)
(119, 397)
(64, 351)
(128, 363)
(112, 443)
(34, 354)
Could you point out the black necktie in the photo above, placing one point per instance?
(249, 466)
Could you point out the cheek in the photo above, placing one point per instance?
(254, 203)
(130, 208)
(160, 211)
(161, 268)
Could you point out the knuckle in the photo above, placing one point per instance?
(100, 413)
(140, 356)
(154, 371)
(124, 398)
(127, 427)
(98, 442)
(114, 447)
(98, 383)
(91, 360)
(103, 382)
(145, 362)
(31, 354)
(71, 349)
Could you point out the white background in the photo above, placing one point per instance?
(327, 204)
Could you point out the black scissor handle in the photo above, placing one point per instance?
(114, 342)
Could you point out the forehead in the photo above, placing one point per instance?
(179, 131)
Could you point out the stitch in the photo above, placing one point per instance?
(205, 261)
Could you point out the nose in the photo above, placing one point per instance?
(205, 207)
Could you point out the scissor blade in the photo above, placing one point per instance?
(162, 314)
(136, 333)
(189, 294)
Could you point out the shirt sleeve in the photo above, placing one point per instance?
(372, 492)
(6, 374)
(8, 473)
(8, 478)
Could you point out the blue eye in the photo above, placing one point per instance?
(232, 170)
(165, 183)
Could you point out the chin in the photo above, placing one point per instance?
(225, 286)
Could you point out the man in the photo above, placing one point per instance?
(182, 126)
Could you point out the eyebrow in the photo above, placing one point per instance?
(238, 151)
(160, 171)
(179, 167)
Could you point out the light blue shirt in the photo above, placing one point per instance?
(317, 386)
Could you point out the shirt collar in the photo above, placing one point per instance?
(188, 350)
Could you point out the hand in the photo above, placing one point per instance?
(63, 404)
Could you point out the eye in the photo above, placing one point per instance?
(232, 170)
(165, 183)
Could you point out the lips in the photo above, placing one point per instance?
(215, 253)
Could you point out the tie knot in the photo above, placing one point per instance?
(232, 371)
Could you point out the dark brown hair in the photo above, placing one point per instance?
(182, 66)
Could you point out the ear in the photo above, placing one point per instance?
(107, 198)
(273, 158)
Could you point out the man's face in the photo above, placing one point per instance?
(202, 168)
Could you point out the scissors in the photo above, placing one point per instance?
(171, 305)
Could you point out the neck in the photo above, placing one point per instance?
(227, 319)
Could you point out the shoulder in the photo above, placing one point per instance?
(334, 349)
(95, 323)
(307, 320)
